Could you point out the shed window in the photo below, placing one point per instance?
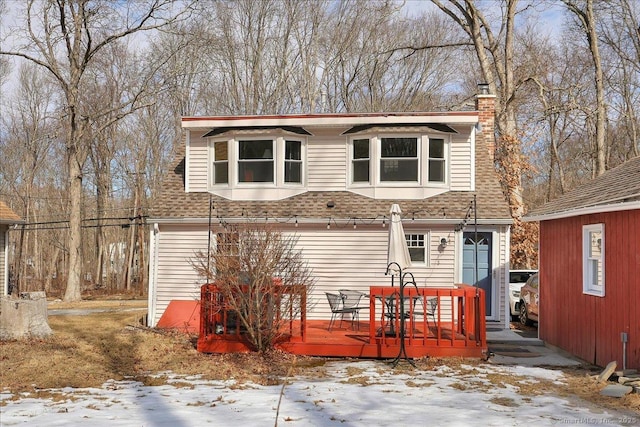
(593, 259)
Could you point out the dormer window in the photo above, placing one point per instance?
(293, 161)
(247, 162)
(392, 160)
(360, 160)
(255, 160)
(398, 159)
(220, 162)
(437, 160)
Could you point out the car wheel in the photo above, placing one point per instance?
(524, 319)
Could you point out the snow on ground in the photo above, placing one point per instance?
(353, 393)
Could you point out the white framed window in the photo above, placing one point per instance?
(261, 160)
(255, 161)
(593, 282)
(418, 248)
(360, 160)
(399, 159)
(293, 162)
(437, 161)
(220, 174)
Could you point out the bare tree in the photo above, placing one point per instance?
(583, 11)
(261, 275)
(30, 137)
(65, 38)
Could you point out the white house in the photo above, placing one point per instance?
(331, 179)
(7, 218)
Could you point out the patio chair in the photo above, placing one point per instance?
(429, 307)
(337, 308)
(351, 300)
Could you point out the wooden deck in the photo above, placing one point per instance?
(457, 328)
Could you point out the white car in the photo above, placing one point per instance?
(517, 278)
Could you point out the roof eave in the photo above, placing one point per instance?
(461, 118)
(625, 206)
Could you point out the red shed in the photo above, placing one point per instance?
(589, 261)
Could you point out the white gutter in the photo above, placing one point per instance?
(330, 120)
(625, 206)
(292, 219)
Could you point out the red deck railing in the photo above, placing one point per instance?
(456, 327)
(446, 317)
(219, 319)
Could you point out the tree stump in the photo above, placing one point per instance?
(24, 317)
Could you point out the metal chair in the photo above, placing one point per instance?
(336, 303)
(429, 307)
(351, 300)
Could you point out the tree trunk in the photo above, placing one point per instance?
(73, 292)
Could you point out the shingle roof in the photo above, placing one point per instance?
(611, 189)
(173, 202)
(7, 216)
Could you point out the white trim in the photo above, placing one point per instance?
(472, 166)
(153, 275)
(187, 175)
(505, 271)
(587, 283)
(5, 279)
(333, 120)
(614, 207)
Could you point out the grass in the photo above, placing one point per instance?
(88, 350)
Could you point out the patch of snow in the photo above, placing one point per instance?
(374, 395)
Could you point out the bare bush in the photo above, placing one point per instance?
(262, 278)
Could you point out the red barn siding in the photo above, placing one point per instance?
(585, 325)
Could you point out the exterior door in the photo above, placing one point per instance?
(484, 279)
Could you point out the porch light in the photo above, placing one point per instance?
(443, 243)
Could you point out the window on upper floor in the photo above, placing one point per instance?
(220, 173)
(398, 159)
(437, 160)
(593, 259)
(360, 160)
(257, 161)
(293, 161)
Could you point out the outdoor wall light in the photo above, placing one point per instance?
(443, 243)
(331, 204)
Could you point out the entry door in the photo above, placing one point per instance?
(484, 265)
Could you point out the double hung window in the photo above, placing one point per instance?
(220, 162)
(398, 159)
(361, 157)
(293, 161)
(418, 248)
(593, 259)
(255, 161)
(437, 161)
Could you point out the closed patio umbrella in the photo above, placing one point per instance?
(397, 250)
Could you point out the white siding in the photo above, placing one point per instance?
(3, 258)
(461, 161)
(197, 164)
(173, 275)
(327, 164)
(338, 258)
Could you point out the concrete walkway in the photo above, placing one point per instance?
(511, 347)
